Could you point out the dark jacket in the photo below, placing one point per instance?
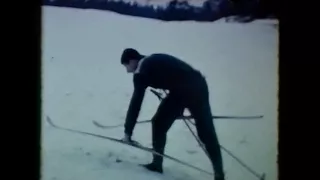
(159, 71)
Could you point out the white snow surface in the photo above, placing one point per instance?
(83, 80)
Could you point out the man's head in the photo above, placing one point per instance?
(130, 59)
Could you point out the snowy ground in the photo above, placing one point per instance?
(84, 81)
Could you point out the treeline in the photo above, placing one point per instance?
(211, 10)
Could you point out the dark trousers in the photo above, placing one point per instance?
(195, 97)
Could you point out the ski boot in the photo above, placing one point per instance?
(156, 165)
(153, 167)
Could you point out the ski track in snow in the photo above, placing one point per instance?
(84, 81)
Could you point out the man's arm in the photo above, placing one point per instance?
(135, 104)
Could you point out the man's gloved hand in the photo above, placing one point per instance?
(127, 139)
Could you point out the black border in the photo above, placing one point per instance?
(296, 99)
(21, 63)
(21, 139)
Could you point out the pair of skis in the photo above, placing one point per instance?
(139, 146)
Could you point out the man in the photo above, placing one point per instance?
(188, 89)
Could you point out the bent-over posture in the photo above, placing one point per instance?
(187, 89)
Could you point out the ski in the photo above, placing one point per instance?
(100, 125)
(136, 145)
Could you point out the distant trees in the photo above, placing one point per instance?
(175, 10)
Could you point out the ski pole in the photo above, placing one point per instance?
(261, 177)
(198, 140)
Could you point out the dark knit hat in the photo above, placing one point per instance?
(129, 54)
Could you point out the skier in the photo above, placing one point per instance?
(187, 89)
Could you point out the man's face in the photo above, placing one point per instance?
(131, 66)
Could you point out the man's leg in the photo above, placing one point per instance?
(199, 107)
(207, 134)
(167, 112)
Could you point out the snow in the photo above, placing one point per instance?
(84, 81)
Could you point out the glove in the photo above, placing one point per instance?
(127, 139)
